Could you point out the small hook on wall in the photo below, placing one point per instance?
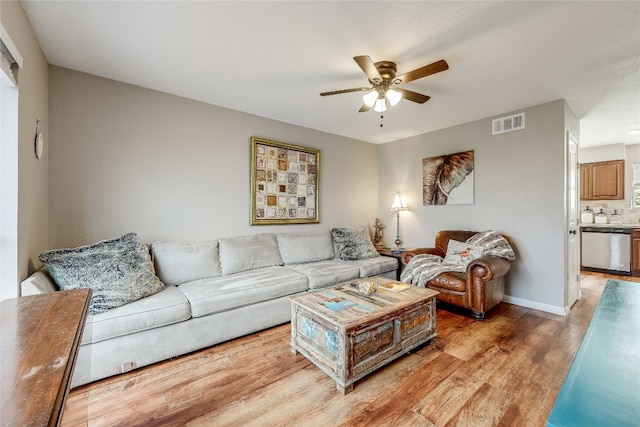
(39, 140)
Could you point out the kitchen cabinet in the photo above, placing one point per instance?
(602, 180)
(584, 181)
(635, 252)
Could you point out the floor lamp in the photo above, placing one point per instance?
(397, 206)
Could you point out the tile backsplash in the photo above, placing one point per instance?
(629, 216)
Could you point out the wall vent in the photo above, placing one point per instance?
(507, 124)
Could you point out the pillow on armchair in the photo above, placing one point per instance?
(119, 271)
(460, 253)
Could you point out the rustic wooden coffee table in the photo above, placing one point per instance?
(349, 335)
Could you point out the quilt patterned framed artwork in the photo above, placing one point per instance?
(284, 183)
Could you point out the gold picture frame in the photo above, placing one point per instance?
(285, 182)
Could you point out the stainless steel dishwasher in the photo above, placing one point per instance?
(607, 249)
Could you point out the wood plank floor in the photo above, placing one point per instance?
(504, 371)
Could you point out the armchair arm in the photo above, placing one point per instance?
(407, 255)
(488, 267)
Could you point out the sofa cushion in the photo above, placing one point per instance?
(353, 243)
(118, 270)
(326, 273)
(183, 262)
(462, 253)
(244, 253)
(217, 294)
(164, 308)
(297, 248)
(374, 266)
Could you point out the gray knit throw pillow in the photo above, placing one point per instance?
(352, 244)
(119, 271)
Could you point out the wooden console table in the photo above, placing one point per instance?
(38, 348)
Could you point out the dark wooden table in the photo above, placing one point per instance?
(396, 255)
(38, 348)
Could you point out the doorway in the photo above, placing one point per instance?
(572, 256)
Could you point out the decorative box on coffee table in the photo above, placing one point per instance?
(348, 334)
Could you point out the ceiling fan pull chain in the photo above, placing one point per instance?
(381, 117)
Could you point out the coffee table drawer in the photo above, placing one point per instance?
(373, 344)
(417, 325)
(322, 342)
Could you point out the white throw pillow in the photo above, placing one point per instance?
(462, 253)
(178, 263)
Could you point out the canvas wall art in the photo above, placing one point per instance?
(448, 180)
(284, 183)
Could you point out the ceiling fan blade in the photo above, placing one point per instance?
(368, 67)
(412, 96)
(364, 108)
(425, 71)
(338, 92)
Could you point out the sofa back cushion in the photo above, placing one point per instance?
(248, 252)
(298, 248)
(178, 263)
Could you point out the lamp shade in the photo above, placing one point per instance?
(398, 203)
(369, 98)
(393, 96)
(381, 106)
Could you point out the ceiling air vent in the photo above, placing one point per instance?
(507, 124)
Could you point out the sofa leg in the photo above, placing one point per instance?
(477, 315)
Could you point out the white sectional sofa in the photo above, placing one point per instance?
(214, 291)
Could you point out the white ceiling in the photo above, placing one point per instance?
(273, 59)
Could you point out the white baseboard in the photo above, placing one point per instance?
(561, 311)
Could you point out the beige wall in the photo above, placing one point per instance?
(602, 153)
(519, 191)
(121, 158)
(32, 173)
(124, 158)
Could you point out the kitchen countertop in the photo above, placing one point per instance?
(611, 225)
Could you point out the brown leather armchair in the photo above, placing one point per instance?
(479, 289)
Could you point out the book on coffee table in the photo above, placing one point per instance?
(395, 286)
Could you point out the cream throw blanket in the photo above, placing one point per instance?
(423, 268)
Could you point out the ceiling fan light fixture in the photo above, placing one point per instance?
(380, 106)
(370, 98)
(393, 96)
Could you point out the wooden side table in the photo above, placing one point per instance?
(39, 344)
(398, 256)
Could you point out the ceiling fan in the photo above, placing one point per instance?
(384, 83)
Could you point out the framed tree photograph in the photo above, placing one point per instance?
(284, 183)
